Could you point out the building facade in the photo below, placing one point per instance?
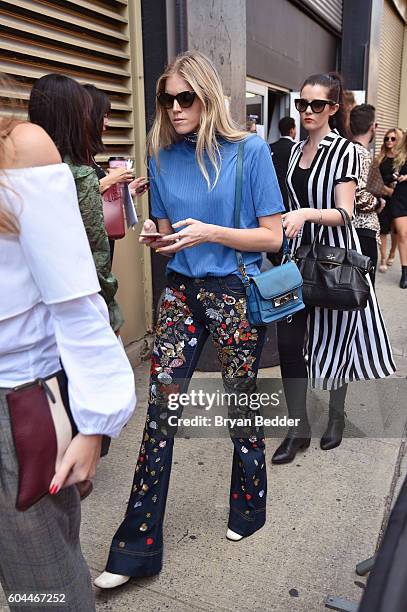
(97, 42)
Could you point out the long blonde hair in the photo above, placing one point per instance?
(215, 120)
(401, 153)
(383, 151)
(8, 222)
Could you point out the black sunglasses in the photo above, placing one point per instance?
(392, 138)
(185, 99)
(317, 106)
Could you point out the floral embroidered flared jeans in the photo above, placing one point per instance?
(191, 310)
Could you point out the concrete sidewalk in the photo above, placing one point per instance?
(325, 513)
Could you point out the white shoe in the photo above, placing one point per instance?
(106, 580)
(232, 535)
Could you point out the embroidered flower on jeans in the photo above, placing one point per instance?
(169, 296)
(188, 321)
(213, 314)
(193, 342)
(165, 378)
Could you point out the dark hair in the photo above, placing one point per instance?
(62, 108)
(361, 118)
(285, 125)
(100, 108)
(332, 81)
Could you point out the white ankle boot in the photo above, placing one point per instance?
(232, 535)
(106, 580)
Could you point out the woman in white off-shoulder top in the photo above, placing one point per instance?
(50, 309)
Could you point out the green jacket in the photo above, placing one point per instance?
(91, 207)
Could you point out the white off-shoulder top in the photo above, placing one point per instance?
(49, 303)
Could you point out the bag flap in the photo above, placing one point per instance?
(278, 280)
(334, 255)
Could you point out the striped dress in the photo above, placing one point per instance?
(339, 346)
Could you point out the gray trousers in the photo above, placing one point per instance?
(39, 548)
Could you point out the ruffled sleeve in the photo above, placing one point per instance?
(57, 253)
(51, 232)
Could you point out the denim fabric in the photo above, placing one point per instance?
(191, 310)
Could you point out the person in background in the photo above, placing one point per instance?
(99, 123)
(398, 206)
(50, 310)
(385, 160)
(251, 126)
(349, 102)
(328, 348)
(366, 221)
(70, 127)
(281, 150)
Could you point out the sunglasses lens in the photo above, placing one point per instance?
(166, 100)
(186, 98)
(301, 105)
(317, 106)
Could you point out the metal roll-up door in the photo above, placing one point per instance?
(329, 10)
(85, 39)
(389, 77)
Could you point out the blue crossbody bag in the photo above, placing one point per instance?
(273, 295)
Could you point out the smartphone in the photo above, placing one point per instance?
(143, 186)
(151, 235)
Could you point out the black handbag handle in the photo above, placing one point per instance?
(347, 225)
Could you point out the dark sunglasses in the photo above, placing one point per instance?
(185, 99)
(392, 138)
(317, 106)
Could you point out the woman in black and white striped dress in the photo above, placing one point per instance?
(328, 347)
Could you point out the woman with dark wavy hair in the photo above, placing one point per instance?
(99, 114)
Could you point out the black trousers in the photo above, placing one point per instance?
(291, 337)
(368, 244)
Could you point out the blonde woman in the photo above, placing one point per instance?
(385, 161)
(50, 310)
(193, 145)
(398, 207)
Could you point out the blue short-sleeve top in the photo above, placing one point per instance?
(179, 191)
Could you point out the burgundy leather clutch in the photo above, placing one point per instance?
(42, 427)
(113, 211)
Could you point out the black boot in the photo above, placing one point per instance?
(336, 424)
(298, 437)
(403, 280)
(288, 449)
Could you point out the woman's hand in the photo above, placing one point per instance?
(402, 178)
(149, 227)
(78, 463)
(155, 242)
(382, 204)
(194, 232)
(293, 221)
(139, 186)
(120, 175)
(115, 175)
